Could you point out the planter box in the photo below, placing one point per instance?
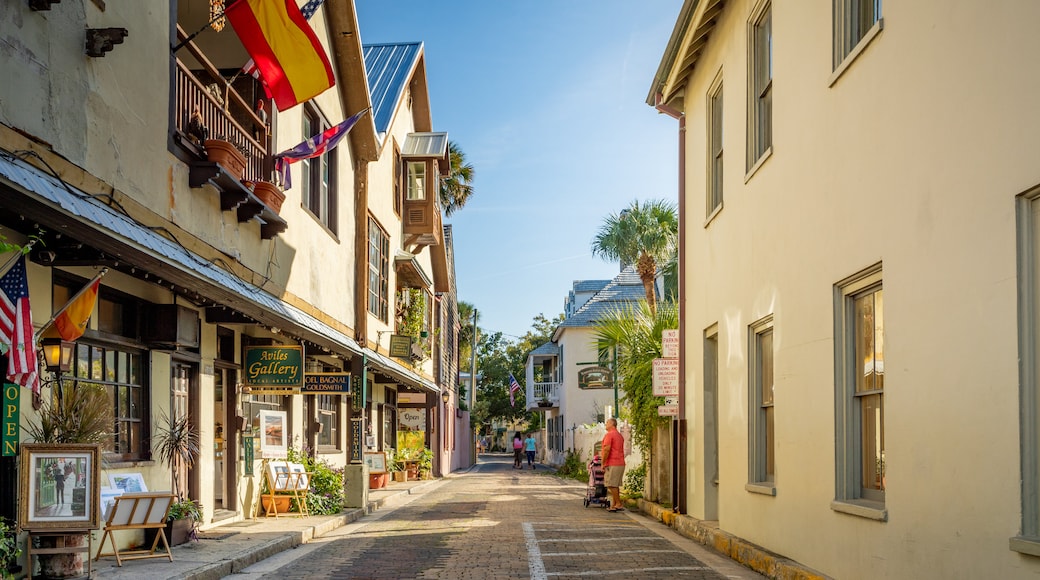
(177, 532)
(269, 193)
(400, 476)
(227, 155)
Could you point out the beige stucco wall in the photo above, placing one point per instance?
(913, 159)
(577, 405)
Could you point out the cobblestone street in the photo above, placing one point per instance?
(496, 522)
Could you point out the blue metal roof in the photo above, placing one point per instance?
(549, 348)
(626, 289)
(118, 226)
(389, 68)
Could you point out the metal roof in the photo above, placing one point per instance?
(549, 348)
(425, 145)
(75, 202)
(389, 68)
(625, 289)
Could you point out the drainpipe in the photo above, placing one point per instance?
(679, 425)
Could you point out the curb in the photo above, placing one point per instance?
(290, 540)
(755, 557)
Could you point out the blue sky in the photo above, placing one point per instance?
(547, 100)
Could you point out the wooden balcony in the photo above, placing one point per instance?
(540, 392)
(426, 156)
(225, 114)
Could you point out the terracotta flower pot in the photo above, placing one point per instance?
(376, 480)
(227, 155)
(282, 503)
(270, 195)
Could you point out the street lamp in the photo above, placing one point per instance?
(57, 354)
(445, 396)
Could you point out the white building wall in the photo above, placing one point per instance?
(912, 158)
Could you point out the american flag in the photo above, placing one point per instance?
(319, 144)
(250, 67)
(16, 327)
(513, 388)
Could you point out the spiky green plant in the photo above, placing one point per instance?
(77, 413)
(177, 444)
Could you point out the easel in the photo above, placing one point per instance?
(138, 511)
(285, 484)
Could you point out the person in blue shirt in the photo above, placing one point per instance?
(529, 447)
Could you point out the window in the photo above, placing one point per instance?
(762, 443)
(856, 22)
(1028, 210)
(760, 69)
(319, 175)
(860, 384)
(120, 372)
(378, 270)
(328, 418)
(715, 146)
(416, 180)
(398, 180)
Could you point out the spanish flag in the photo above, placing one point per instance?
(71, 322)
(284, 47)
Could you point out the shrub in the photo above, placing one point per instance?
(326, 495)
(9, 550)
(634, 480)
(573, 467)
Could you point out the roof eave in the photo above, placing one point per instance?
(353, 80)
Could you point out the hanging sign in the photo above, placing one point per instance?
(248, 451)
(326, 384)
(400, 346)
(274, 370)
(666, 377)
(10, 420)
(670, 343)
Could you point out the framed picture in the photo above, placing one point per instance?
(127, 482)
(59, 486)
(302, 482)
(278, 473)
(273, 435)
(376, 462)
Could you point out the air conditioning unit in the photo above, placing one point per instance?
(171, 326)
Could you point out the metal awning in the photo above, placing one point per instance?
(410, 272)
(58, 205)
(425, 146)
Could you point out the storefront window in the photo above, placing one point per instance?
(118, 370)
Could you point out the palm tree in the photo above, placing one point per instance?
(642, 234)
(635, 332)
(457, 186)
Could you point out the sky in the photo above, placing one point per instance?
(547, 99)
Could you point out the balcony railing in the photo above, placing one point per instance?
(225, 113)
(544, 391)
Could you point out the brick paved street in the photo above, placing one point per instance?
(496, 523)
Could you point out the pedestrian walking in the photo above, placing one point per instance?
(530, 446)
(518, 447)
(614, 463)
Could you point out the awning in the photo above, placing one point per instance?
(410, 272)
(59, 206)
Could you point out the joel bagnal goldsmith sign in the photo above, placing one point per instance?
(326, 384)
(274, 370)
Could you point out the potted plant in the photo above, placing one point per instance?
(394, 467)
(544, 402)
(227, 154)
(425, 463)
(182, 522)
(177, 445)
(73, 414)
(270, 194)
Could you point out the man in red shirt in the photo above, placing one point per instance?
(613, 450)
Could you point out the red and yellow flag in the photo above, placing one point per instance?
(284, 47)
(71, 322)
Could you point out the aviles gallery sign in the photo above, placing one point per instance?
(274, 370)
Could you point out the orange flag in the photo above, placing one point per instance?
(284, 47)
(71, 322)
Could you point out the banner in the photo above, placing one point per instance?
(10, 423)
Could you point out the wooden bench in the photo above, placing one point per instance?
(138, 511)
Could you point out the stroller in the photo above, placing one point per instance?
(597, 492)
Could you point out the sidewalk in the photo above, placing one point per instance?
(226, 549)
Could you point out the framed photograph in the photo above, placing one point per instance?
(127, 482)
(301, 480)
(273, 435)
(376, 462)
(60, 485)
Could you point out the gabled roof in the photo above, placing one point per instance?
(549, 348)
(693, 30)
(625, 289)
(589, 285)
(390, 68)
